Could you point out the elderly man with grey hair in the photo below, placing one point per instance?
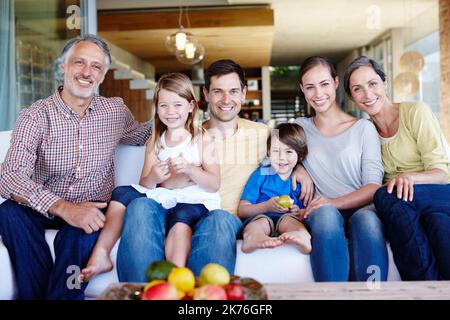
(59, 174)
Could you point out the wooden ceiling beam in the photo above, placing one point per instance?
(216, 18)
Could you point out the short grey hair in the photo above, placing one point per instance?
(87, 37)
(361, 62)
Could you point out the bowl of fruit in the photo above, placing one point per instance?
(169, 282)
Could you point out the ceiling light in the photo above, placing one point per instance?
(183, 44)
(193, 53)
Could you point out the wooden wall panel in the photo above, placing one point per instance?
(213, 18)
(134, 99)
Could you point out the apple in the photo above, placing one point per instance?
(210, 292)
(161, 291)
(285, 201)
(234, 291)
(214, 273)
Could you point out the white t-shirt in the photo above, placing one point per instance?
(169, 198)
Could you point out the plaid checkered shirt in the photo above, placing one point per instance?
(56, 154)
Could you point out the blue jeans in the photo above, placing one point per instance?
(125, 194)
(23, 233)
(418, 230)
(187, 213)
(332, 259)
(143, 235)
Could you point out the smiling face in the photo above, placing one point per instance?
(319, 88)
(225, 96)
(172, 109)
(282, 157)
(367, 89)
(84, 70)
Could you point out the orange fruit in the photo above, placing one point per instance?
(182, 278)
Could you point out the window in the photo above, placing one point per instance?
(429, 77)
(36, 33)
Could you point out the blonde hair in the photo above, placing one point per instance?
(180, 84)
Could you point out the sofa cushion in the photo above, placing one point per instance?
(129, 161)
(5, 138)
(7, 280)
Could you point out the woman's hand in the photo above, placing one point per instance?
(315, 203)
(180, 165)
(302, 176)
(273, 206)
(405, 186)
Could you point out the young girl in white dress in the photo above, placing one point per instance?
(181, 172)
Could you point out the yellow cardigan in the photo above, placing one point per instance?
(419, 144)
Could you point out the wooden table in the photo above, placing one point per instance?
(393, 290)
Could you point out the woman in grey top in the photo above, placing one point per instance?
(344, 162)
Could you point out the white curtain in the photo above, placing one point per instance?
(9, 108)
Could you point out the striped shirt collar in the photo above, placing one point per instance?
(61, 105)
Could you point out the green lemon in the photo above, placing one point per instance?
(159, 270)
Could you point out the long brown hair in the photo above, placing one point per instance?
(180, 84)
(315, 61)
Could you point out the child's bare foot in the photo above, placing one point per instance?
(99, 262)
(300, 238)
(259, 241)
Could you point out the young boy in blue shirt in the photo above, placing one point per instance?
(270, 222)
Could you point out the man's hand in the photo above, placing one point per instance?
(316, 203)
(273, 206)
(84, 215)
(405, 186)
(302, 176)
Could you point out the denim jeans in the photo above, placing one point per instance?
(143, 235)
(37, 277)
(418, 230)
(125, 194)
(188, 213)
(332, 259)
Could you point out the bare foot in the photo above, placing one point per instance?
(300, 238)
(259, 241)
(99, 262)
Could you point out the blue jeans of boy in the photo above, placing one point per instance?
(418, 230)
(23, 233)
(144, 232)
(332, 259)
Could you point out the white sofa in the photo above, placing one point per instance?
(283, 264)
